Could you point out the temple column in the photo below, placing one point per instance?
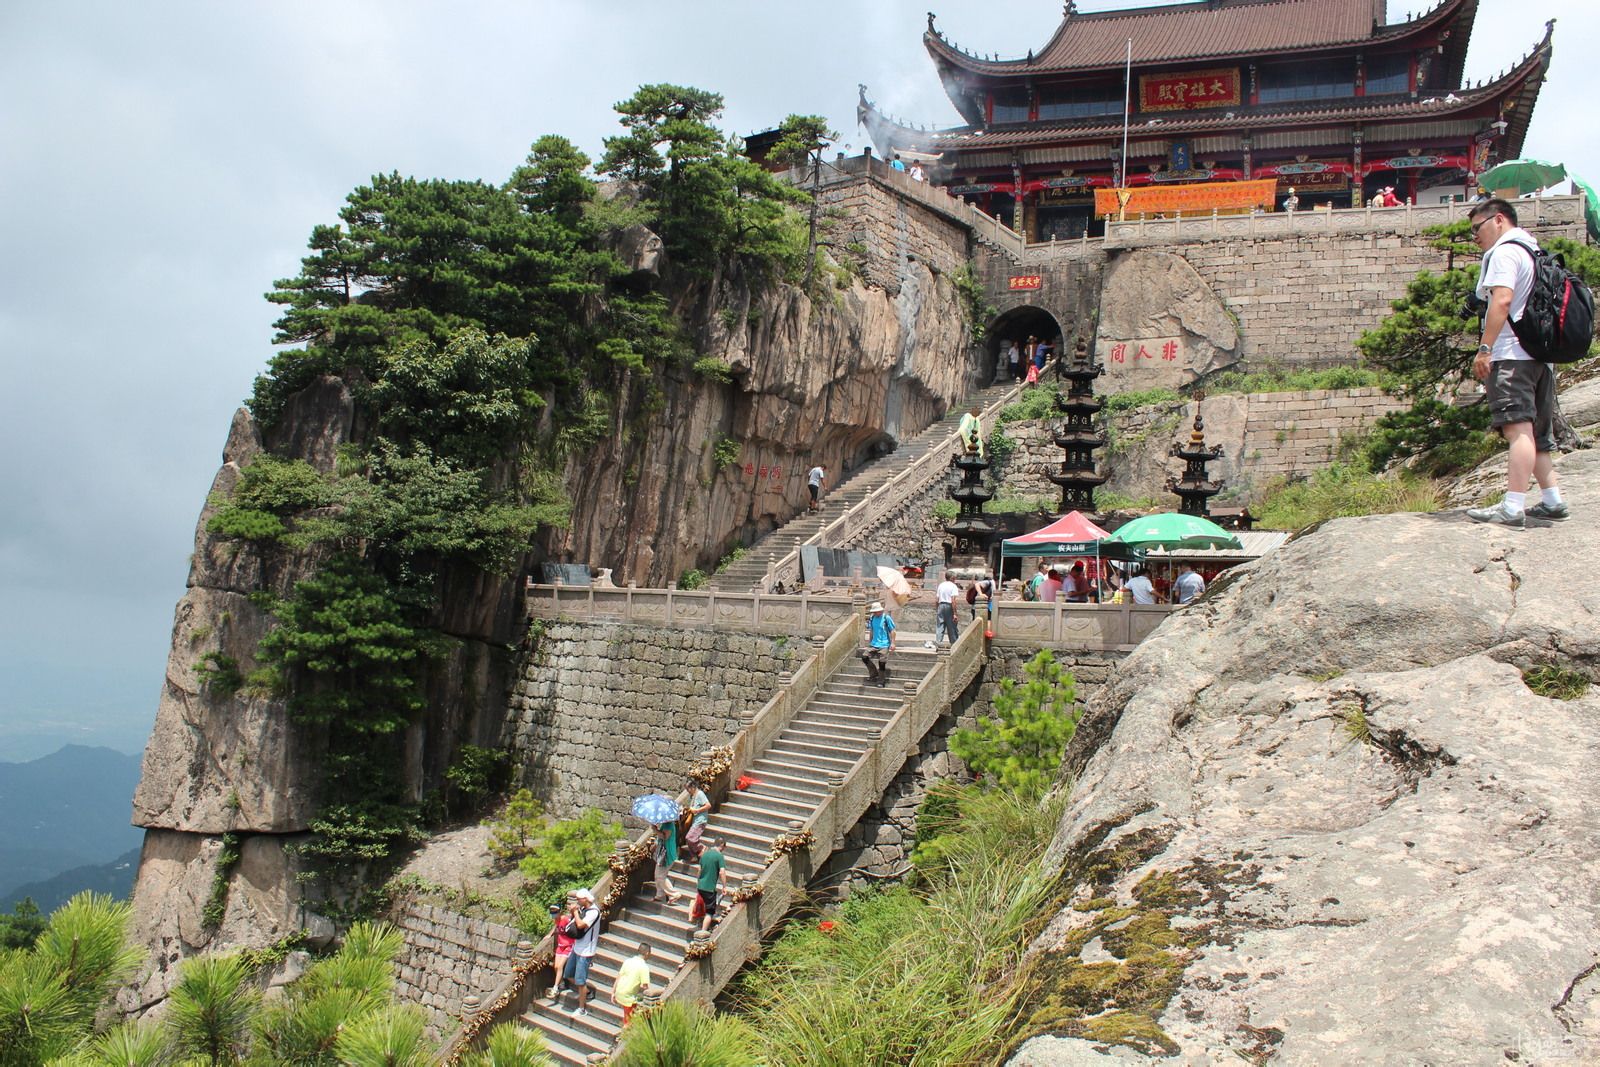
(1246, 142)
(1356, 185)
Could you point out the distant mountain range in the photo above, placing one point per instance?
(64, 819)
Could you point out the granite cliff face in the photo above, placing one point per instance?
(810, 381)
(1321, 817)
(813, 381)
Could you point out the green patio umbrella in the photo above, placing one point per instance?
(1173, 530)
(1591, 209)
(1523, 175)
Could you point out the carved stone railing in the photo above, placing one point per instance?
(738, 938)
(1533, 213)
(801, 613)
(1016, 622)
(887, 500)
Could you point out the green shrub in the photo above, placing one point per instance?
(725, 452)
(918, 976)
(1117, 403)
(514, 832)
(945, 509)
(474, 776)
(219, 673)
(571, 853)
(693, 578)
(1282, 380)
(713, 369)
(1450, 439)
(1019, 747)
(1000, 445)
(1556, 682)
(680, 1034)
(1344, 490)
(1107, 500)
(1036, 402)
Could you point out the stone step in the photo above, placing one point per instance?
(776, 807)
(816, 722)
(762, 826)
(664, 940)
(754, 840)
(822, 745)
(871, 701)
(658, 914)
(772, 784)
(817, 762)
(789, 766)
(568, 1042)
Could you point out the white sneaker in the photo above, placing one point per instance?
(554, 993)
(579, 1013)
(929, 644)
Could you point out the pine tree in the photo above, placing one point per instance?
(1020, 747)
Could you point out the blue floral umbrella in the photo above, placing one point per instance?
(657, 809)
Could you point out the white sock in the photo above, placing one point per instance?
(1550, 496)
(1514, 503)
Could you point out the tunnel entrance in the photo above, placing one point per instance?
(1018, 325)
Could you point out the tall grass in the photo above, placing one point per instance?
(913, 976)
(1343, 490)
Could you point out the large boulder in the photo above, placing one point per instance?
(1321, 816)
(1161, 325)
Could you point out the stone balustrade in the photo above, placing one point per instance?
(1084, 626)
(1534, 213)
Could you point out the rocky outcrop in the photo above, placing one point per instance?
(812, 381)
(1320, 816)
(1161, 325)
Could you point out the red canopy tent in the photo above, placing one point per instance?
(1071, 535)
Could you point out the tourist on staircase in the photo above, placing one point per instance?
(944, 619)
(814, 482)
(665, 855)
(699, 811)
(880, 643)
(1013, 361)
(709, 885)
(585, 928)
(633, 981)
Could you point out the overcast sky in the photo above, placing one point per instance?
(161, 163)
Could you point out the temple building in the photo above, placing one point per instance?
(1325, 97)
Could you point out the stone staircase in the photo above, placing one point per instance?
(845, 717)
(752, 570)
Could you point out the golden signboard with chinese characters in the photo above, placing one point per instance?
(1189, 199)
(1184, 92)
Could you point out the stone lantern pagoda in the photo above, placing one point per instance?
(1078, 436)
(1194, 488)
(971, 530)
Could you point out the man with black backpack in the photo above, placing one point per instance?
(1521, 389)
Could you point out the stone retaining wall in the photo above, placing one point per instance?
(1266, 437)
(889, 231)
(448, 957)
(603, 712)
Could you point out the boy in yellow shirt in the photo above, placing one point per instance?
(633, 980)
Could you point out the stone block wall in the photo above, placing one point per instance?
(448, 957)
(604, 712)
(893, 231)
(1265, 437)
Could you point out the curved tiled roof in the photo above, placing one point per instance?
(1521, 84)
(1209, 29)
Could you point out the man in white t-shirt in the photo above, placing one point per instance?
(944, 619)
(1521, 389)
(1141, 590)
(814, 481)
(585, 930)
